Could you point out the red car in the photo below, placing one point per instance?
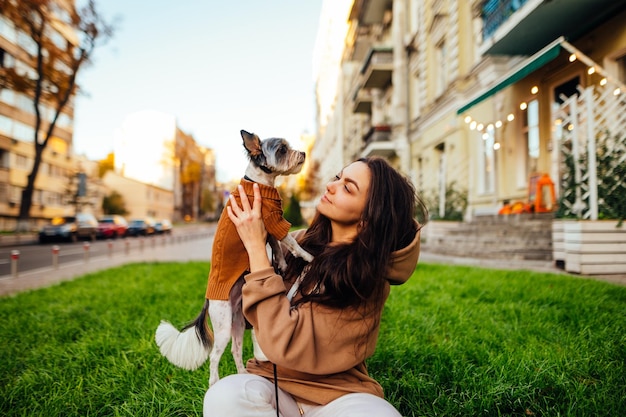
(112, 227)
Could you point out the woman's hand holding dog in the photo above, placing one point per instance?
(250, 227)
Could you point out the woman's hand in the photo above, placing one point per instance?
(250, 227)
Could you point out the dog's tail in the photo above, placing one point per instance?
(189, 348)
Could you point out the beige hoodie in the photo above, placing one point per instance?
(319, 351)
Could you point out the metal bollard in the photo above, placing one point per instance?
(110, 246)
(15, 257)
(86, 246)
(55, 256)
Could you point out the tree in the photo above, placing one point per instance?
(114, 203)
(50, 80)
(105, 165)
(293, 212)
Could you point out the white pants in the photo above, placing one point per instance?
(243, 395)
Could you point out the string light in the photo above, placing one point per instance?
(592, 68)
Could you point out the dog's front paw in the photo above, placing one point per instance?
(281, 264)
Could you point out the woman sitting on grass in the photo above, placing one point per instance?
(319, 323)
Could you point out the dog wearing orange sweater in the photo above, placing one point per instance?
(190, 348)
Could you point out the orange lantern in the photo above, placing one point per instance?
(545, 199)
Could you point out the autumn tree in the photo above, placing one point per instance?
(52, 65)
(105, 165)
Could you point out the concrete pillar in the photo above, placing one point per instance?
(399, 101)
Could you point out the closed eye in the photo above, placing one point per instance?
(345, 185)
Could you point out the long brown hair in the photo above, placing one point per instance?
(350, 274)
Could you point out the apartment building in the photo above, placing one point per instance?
(142, 199)
(471, 96)
(17, 121)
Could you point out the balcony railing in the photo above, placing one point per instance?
(496, 12)
(378, 141)
(362, 100)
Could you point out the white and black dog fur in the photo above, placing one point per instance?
(190, 348)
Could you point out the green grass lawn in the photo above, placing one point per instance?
(455, 341)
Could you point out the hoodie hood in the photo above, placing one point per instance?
(403, 261)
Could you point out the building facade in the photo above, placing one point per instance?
(463, 96)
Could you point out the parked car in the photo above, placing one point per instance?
(141, 227)
(112, 226)
(163, 227)
(70, 228)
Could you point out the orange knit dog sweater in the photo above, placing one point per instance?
(229, 259)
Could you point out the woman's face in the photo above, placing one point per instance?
(345, 196)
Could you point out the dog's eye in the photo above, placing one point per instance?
(282, 150)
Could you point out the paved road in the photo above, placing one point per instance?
(197, 247)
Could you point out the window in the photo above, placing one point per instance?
(530, 129)
(23, 132)
(4, 159)
(7, 96)
(7, 29)
(15, 194)
(6, 59)
(442, 68)
(22, 162)
(4, 192)
(27, 43)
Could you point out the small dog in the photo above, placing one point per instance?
(191, 347)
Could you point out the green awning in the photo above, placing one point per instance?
(525, 68)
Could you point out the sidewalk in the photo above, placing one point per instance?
(538, 266)
(198, 248)
(16, 240)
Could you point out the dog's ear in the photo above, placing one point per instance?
(252, 143)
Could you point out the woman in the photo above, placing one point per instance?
(319, 323)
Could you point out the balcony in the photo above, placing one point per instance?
(522, 27)
(5, 175)
(362, 100)
(377, 68)
(369, 12)
(377, 142)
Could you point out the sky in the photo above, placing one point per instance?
(216, 66)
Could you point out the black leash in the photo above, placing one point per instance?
(276, 389)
